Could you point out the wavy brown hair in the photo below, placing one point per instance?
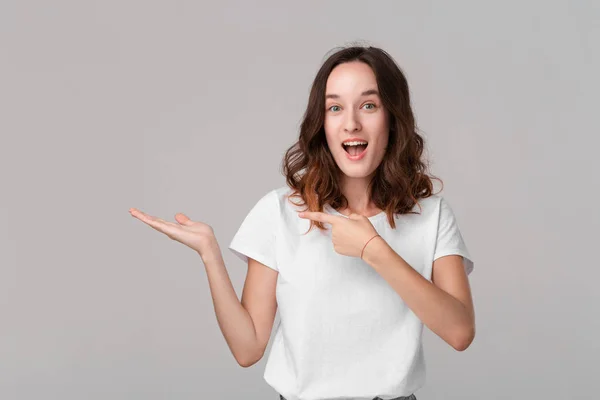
(399, 181)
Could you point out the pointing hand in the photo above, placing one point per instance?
(349, 235)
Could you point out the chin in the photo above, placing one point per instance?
(357, 173)
(357, 170)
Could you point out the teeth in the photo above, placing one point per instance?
(353, 143)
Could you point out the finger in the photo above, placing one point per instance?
(183, 219)
(146, 217)
(157, 223)
(356, 216)
(142, 216)
(319, 216)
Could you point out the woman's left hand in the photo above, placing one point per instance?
(349, 235)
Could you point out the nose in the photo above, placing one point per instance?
(351, 123)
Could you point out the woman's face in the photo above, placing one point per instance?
(353, 109)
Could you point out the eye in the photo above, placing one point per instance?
(330, 108)
(370, 104)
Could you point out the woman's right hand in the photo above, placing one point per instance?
(196, 235)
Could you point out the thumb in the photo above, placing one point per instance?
(183, 219)
(354, 216)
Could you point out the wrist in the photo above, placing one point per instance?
(366, 243)
(209, 248)
(375, 250)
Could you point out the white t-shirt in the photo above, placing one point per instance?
(344, 333)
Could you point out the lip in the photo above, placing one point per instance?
(355, 139)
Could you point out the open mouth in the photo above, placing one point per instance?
(354, 150)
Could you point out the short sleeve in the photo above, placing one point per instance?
(256, 236)
(449, 239)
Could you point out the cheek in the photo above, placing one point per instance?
(379, 122)
(330, 133)
(329, 139)
(329, 125)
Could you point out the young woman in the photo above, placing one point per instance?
(386, 257)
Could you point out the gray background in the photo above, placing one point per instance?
(188, 107)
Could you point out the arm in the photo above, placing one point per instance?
(246, 325)
(444, 305)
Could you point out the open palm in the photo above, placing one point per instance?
(193, 234)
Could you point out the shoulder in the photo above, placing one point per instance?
(282, 198)
(275, 201)
(428, 207)
(435, 203)
(428, 211)
(281, 192)
(441, 209)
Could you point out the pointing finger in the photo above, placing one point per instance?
(319, 216)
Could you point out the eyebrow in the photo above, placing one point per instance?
(365, 93)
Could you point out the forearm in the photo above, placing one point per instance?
(233, 319)
(439, 311)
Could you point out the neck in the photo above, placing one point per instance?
(356, 191)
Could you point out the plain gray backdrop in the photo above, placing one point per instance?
(188, 106)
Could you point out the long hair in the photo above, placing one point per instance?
(399, 181)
